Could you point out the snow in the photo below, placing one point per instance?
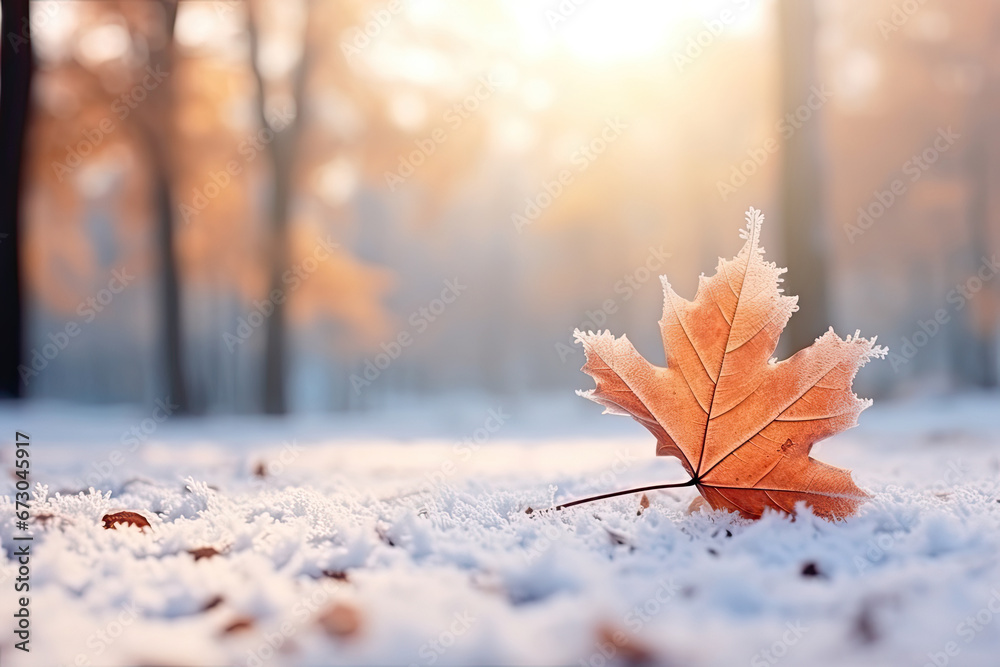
(443, 565)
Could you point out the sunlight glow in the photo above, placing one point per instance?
(103, 43)
(605, 31)
(611, 32)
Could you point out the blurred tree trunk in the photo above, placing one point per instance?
(802, 214)
(282, 149)
(158, 132)
(16, 65)
(977, 358)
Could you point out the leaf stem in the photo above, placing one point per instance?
(690, 482)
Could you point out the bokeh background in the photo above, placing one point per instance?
(438, 192)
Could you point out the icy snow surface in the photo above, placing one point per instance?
(443, 565)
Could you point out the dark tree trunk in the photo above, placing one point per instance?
(16, 64)
(282, 151)
(274, 347)
(274, 351)
(158, 137)
(170, 296)
(802, 178)
(978, 365)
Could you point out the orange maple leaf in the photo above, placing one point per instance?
(741, 423)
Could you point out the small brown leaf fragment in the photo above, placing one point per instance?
(212, 603)
(111, 521)
(865, 627)
(530, 511)
(810, 569)
(384, 535)
(260, 470)
(338, 575)
(696, 505)
(239, 624)
(340, 620)
(627, 649)
(204, 552)
(643, 504)
(488, 583)
(618, 538)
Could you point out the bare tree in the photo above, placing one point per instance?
(974, 356)
(282, 149)
(156, 125)
(16, 65)
(802, 178)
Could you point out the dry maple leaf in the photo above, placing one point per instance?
(741, 423)
(111, 521)
(204, 552)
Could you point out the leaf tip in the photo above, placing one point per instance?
(755, 219)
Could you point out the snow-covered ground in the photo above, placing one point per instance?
(397, 538)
